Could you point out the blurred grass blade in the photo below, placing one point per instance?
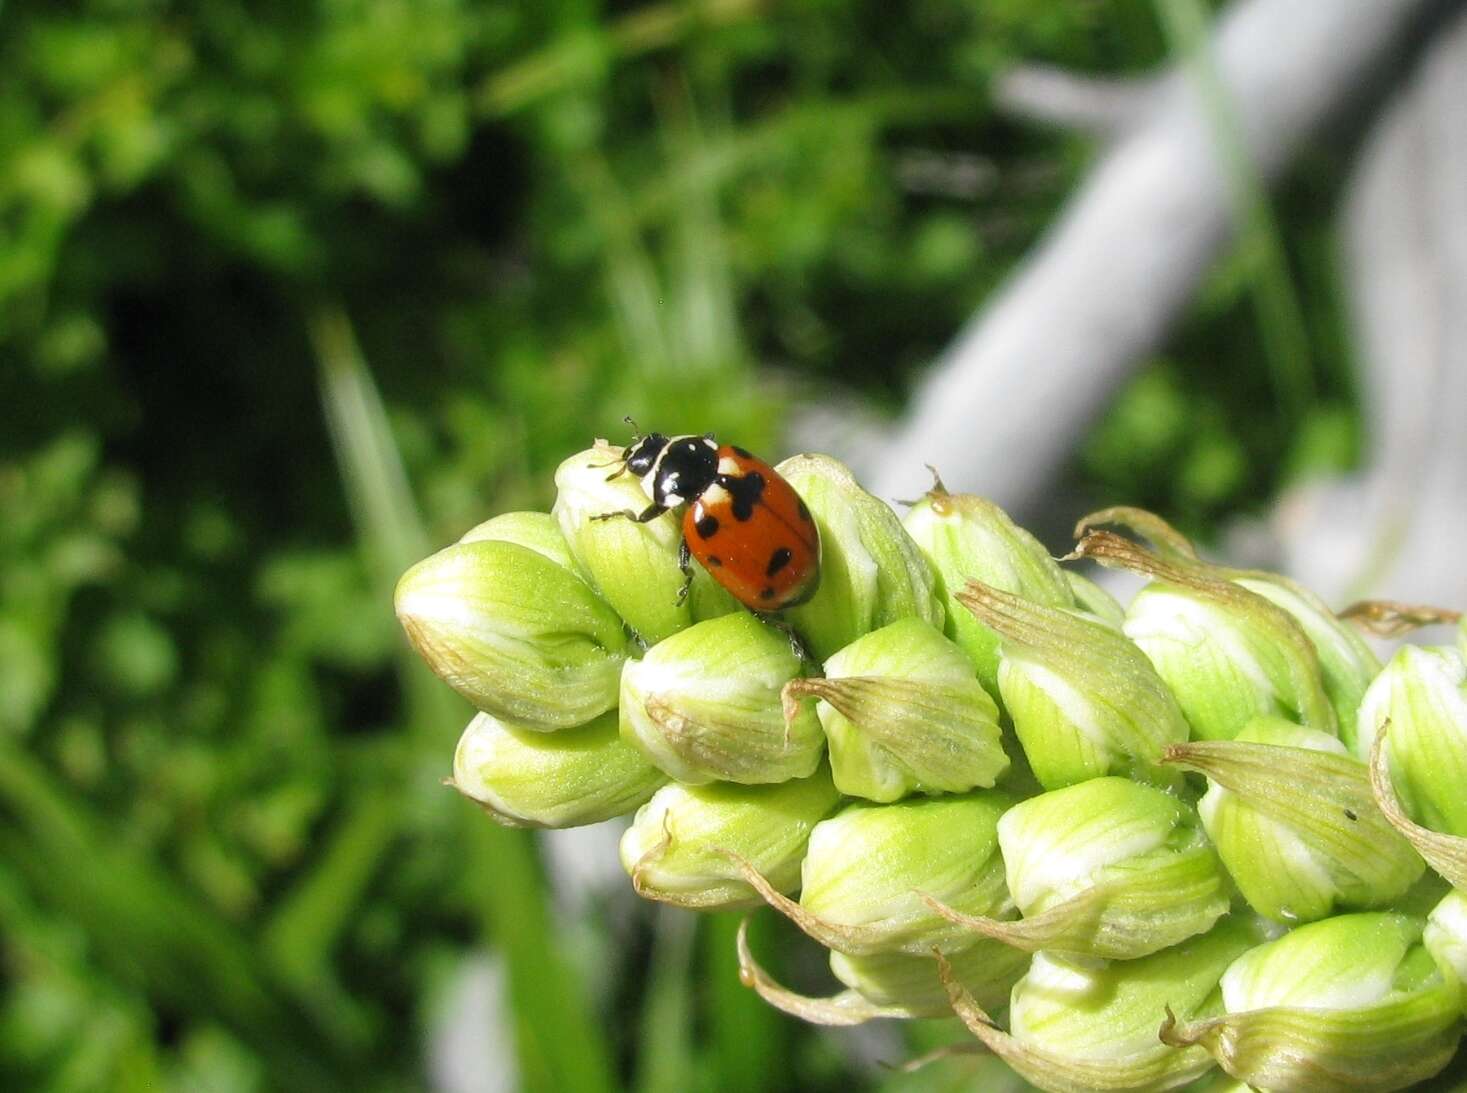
(1280, 316)
(581, 56)
(376, 484)
(665, 1055)
(560, 1045)
(749, 1038)
(728, 155)
(147, 927)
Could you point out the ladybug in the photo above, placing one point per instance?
(744, 523)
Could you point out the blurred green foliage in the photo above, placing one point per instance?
(225, 860)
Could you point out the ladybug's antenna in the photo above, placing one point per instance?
(636, 432)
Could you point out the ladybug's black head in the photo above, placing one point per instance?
(686, 466)
(643, 454)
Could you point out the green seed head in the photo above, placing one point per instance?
(1346, 663)
(704, 705)
(1423, 694)
(1227, 653)
(1116, 868)
(868, 867)
(1084, 700)
(1096, 601)
(1080, 1025)
(537, 531)
(685, 844)
(634, 565)
(1291, 814)
(1352, 1002)
(561, 779)
(1445, 936)
(987, 969)
(517, 634)
(871, 573)
(903, 712)
(1223, 671)
(970, 538)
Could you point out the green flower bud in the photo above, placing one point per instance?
(1445, 936)
(903, 712)
(561, 779)
(689, 845)
(1291, 813)
(1353, 1002)
(1346, 663)
(870, 869)
(537, 531)
(1423, 694)
(987, 970)
(1447, 854)
(889, 985)
(634, 565)
(871, 573)
(970, 538)
(518, 635)
(1084, 700)
(1106, 868)
(1227, 653)
(1096, 601)
(704, 705)
(1078, 1026)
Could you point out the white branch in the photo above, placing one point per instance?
(1398, 528)
(1001, 412)
(1054, 96)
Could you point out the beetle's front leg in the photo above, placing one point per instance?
(685, 563)
(651, 512)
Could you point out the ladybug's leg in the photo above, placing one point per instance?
(651, 512)
(797, 644)
(685, 563)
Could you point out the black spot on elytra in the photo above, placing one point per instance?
(777, 561)
(742, 453)
(707, 527)
(766, 593)
(715, 560)
(744, 489)
(804, 512)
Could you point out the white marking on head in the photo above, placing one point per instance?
(708, 440)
